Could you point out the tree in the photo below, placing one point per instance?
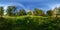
(11, 10)
(16, 13)
(50, 12)
(29, 12)
(1, 11)
(22, 12)
(41, 12)
(57, 11)
(38, 12)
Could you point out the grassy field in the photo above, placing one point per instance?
(23, 16)
(29, 23)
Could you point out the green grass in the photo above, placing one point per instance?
(23, 16)
(29, 23)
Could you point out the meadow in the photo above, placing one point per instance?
(30, 15)
(29, 23)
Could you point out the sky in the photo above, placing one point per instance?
(31, 4)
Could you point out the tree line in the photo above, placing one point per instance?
(12, 11)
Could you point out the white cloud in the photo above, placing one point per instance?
(55, 5)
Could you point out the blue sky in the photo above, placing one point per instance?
(31, 4)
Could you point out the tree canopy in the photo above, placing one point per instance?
(38, 12)
(22, 12)
(11, 10)
(1, 11)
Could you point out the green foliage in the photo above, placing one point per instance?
(50, 12)
(29, 13)
(30, 23)
(1, 11)
(22, 12)
(11, 10)
(38, 12)
(57, 10)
